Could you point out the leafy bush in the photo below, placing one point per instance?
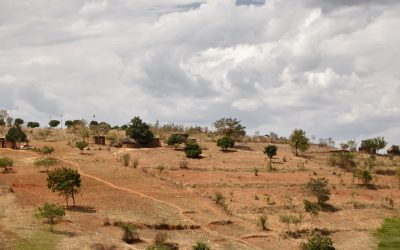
(81, 145)
(192, 150)
(318, 242)
(319, 188)
(175, 140)
(5, 163)
(225, 142)
(201, 246)
(50, 211)
(344, 160)
(126, 158)
(270, 151)
(46, 150)
(131, 234)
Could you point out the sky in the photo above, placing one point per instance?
(328, 67)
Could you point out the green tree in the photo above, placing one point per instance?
(18, 122)
(374, 144)
(69, 123)
(54, 123)
(6, 163)
(319, 188)
(192, 150)
(65, 181)
(175, 140)
(225, 143)
(230, 127)
(81, 145)
(139, 131)
(15, 134)
(32, 124)
(201, 246)
(270, 151)
(50, 211)
(46, 162)
(318, 242)
(299, 141)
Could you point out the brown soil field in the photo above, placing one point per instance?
(181, 201)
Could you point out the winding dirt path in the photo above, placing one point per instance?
(140, 194)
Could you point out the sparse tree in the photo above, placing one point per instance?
(373, 145)
(319, 188)
(65, 181)
(344, 160)
(131, 234)
(54, 123)
(270, 151)
(230, 127)
(50, 211)
(225, 143)
(299, 141)
(6, 163)
(139, 131)
(46, 162)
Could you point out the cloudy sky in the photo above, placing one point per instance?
(329, 67)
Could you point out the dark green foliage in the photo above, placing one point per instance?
(311, 208)
(230, 127)
(93, 123)
(318, 242)
(225, 142)
(18, 122)
(6, 163)
(270, 151)
(69, 124)
(201, 246)
(15, 134)
(175, 140)
(345, 160)
(54, 123)
(389, 234)
(50, 211)
(65, 181)
(319, 188)
(139, 131)
(192, 150)
(81, 145)
(32, 124)
(299, 141)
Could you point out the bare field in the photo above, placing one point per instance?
(183, 198)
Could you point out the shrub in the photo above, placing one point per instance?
(263, 222)
(192, 150)
(46, 150)
(388, 234)
(201, 246)
(225, 142)
(135, 162)
(5, 163)
(81, 145)
(219, 198)
(126, 159)
(318, 242)
(255, 171)
(344, 160)
(319, 188)
(51, 212)
(131, 234)
(311, 208)
(270, 151)
(175, 140)
(160, 168)
(290, 219)
(183, 165)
